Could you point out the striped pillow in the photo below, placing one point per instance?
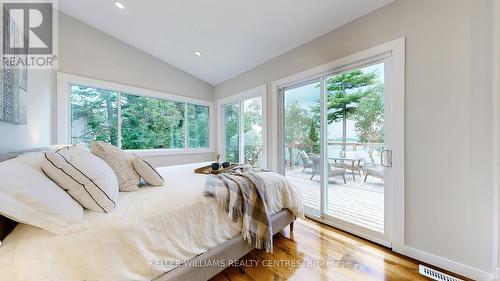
(147, 172)
(86, 177)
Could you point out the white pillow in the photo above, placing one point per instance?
(121, 163)
(28, 196)
(147, 172)
(86, 177)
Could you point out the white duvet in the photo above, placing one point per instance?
(149, 233)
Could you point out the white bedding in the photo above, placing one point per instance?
(161, 225)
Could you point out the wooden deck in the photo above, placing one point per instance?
(356, 202)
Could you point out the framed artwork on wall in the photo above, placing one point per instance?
(13, 83)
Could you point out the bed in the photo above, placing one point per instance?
(157, 233)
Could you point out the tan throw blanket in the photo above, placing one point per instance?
(241, 194)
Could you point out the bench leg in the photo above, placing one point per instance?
(291, 226)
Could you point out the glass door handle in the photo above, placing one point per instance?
(386, 158)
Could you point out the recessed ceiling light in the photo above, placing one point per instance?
(198, 53)
(119, 4)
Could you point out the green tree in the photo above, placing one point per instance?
(344, 94)
(231, 128)
(369, 117)
(145, 122)
(253, 137)
(313, 137)
(197, 126)
(297, 126)
(151, 123)
(94, 115)
(253, 114)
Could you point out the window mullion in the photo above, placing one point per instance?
(186, 146)
(241, 133)
(119, 117)
(69, 115)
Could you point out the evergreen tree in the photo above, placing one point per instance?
(313, 137)
(369, 117)
(344, 94)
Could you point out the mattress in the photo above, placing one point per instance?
(150, 232)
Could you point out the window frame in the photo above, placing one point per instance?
(63, 118)
(240, 98)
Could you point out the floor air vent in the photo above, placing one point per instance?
(436, 275)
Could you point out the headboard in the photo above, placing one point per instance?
(7, 225)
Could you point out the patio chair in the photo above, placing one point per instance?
(335, 171)
(306, 161)
(316, 164)
(374, 170)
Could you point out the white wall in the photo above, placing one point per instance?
(448, 115)
(496, 129)
(38, 130)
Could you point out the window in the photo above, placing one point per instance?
(252, 138)
(243, 128)
(197, 126)
(94, 115)
(128, 118)
(232, 132)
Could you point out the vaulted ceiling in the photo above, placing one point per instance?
(232, 36)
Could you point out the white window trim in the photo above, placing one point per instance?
(64, 80)
(260, 91)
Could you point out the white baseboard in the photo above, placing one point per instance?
(498, 274)
(449, 265)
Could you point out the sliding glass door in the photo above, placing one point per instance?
(355, 146)
(243, 131)
(252, 131)
(334, 150)
(301, 109)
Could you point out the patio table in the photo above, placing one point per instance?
(352, 160)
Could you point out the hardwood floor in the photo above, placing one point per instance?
(314, 251)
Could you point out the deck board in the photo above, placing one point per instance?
(356, 202)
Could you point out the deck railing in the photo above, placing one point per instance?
(355, 145)
(373, 150)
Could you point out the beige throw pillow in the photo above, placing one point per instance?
(86, 177)
(147, 172)
(120, 162)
